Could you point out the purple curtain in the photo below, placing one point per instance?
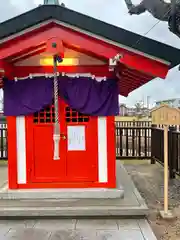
(25, 97)
(89, 96)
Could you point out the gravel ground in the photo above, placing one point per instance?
(149, 181)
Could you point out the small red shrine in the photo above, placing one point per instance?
(93, 54)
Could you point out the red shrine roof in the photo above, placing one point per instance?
(143, 59)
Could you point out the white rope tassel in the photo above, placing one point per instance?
(56, 135)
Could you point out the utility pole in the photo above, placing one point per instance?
(148, 106)
(148, 101)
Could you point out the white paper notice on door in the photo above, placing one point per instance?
(76, 138)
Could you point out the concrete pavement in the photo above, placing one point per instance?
(67, 229)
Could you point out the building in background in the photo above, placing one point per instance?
(123, 109)
(133, 111)
(174, 102)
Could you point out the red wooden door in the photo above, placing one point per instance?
(45, 168)
(78, 147)
(82, 146)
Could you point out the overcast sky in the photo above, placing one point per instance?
(116, 14)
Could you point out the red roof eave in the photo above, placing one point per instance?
(130, 79)
(36, 38)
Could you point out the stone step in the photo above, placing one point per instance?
(70, 208)
(81, 193)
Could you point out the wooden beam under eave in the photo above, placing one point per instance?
(123, 90)
(133, 80)
(127, 83)
(129, 86)
(146, 66)
(133, 75)
(125, 86)
(136, 74)
(135, 83)
(123, 93)
(134, 86)
(97, 70)
(27, 54)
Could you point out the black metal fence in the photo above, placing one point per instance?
(133, 124)
(3, 141)
(142, 140)
(173, 148)
(133, 139)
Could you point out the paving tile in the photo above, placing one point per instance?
(30, 223)
(62, 224)
(62, 235)
(128, 224)
(64, 229)
(131, 235)
(85, 234)
(96, 224)
(4, 225)
(108, 235)
(21, 223)
(146, 230)
(120, 235)
(3, 231)
(7, 225)
(3, 237)
(28, 234)
(3, 222)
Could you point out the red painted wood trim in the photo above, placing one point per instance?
(12, 153)
(22, 71)
(133, 81)
(103, 70)
(139, 77)
(28, 55)
(134, 73)
(127, 87)
(7, 67)
(147, 66)
(87, 44)
(68, 36)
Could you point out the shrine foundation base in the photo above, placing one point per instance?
(132, 204)
(66, 193)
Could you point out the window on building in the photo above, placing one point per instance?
(72, 116)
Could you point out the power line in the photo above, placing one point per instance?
(144, 35)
